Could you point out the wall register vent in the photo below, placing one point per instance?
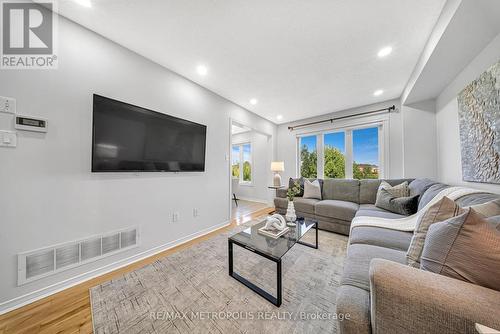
(48, 261)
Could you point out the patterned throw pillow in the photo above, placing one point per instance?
(465, 247)
(400, 190)
(440, 211)
(401, 205)
(300, 180)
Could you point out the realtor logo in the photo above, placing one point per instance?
(28, 35)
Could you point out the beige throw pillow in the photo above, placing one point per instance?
(465, 247)
(401, 190)
(440, 211)
(312, 189)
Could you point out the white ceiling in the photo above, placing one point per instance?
(298, 58)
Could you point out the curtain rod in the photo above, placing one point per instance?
(388, 109)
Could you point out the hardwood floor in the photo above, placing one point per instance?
(245, 208)
(69, 311)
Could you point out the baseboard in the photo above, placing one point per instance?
(258, 200)
(31, 297)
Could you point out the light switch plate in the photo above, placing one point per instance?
(7, 104)
(8, 139)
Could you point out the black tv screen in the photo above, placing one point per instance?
(127, 138)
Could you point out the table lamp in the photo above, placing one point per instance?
(276, 167)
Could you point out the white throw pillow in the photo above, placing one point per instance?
(312, 189)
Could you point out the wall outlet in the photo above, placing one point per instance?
(195, 212)
(7, 104)
(175, 217)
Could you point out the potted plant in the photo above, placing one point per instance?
(290, 211)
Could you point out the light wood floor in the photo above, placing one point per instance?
(245, 208)
(69, 311)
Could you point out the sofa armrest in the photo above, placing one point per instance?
(409, 300)
(281, 192)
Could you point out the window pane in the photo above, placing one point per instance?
(308, 157)
(334, 144)
(235, 161)
(247, 163)
(365, 153)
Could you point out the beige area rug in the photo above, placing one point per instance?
(191, 291)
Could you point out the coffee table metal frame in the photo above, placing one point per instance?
(279, 279)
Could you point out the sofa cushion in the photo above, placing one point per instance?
(378, 236)
(305, 204)
(476, 199)
(368, 191)
(430, 193)
(354, 302)
(341, 189)
(465, 247)
(357, 263)
(378, 212)
(337, 209)
(420, 186)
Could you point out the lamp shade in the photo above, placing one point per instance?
(277, 166)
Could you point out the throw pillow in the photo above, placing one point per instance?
(312, 189)
(300, 180)
(440, 211)
(401, 205)
(400, 190)
(488, 209)
(465, 247)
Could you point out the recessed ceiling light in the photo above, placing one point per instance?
(202, 70)
(378, 92)
(279, 117)
(385, 51)
(84, 3)
(253, 101)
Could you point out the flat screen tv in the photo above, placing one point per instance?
(127, 138)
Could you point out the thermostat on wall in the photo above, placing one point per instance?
(31, 124)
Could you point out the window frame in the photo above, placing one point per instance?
(241, 161)
(383, 149)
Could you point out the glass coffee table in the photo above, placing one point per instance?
(270, 248)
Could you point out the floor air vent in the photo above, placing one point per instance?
(47, 261)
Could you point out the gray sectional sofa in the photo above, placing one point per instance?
(378, 291)
(342, 200)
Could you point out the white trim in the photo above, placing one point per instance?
(33, 296)
(258, 200)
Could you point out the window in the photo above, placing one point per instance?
(308, 157)
(365, 163)
(345, 153)
(241, 162)
(334, 155)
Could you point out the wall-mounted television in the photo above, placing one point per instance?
(128, 138)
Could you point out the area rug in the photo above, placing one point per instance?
(191, 292)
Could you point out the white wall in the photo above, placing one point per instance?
(287, 141)
(261, 164)
(448, 136)
(419, 140)
(50, 196)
